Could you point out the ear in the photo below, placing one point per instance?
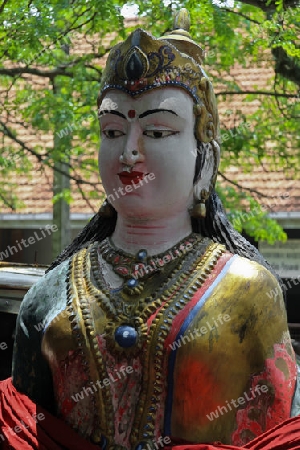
(208, 175)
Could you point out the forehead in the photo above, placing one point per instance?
(173, 99)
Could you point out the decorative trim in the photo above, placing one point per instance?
(202, 294)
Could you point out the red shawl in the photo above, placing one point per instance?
(26, 426)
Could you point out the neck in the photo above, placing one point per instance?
(155, 236)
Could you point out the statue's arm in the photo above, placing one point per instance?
(272, 358)
(31, 373)
(273, 334)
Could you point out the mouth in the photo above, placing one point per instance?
(131, 177)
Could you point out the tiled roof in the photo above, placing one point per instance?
(35, 192)
(279, 193)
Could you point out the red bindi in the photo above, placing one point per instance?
(131, 114)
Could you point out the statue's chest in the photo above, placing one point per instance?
(125, 373)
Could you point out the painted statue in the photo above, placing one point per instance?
(154, 328)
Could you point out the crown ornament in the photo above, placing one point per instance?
(142, 63)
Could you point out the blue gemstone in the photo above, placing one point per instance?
(142, 255)
(132, 283)
(126, 336)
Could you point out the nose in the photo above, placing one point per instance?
(132, 152)
(129, 157)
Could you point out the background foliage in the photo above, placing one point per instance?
(47, 87)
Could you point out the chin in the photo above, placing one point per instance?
(136, 210)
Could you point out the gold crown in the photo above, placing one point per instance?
(142, 63)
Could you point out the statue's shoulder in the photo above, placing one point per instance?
(45, 297)
(251, 295)
(238, 277)
(251, 275)
(254, 296)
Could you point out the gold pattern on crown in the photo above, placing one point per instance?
(181, 37)
(142, 63)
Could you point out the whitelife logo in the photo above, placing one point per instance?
(86, 391)
(30, 241)
(198, 332)
(239, 402)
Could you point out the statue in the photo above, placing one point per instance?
(154, 328)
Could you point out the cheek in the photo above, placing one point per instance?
(108, 155)
(176, 160)
(104, 158)
(107, 166)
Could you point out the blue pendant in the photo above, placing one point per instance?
(132, 282)
(126, 336)
(142, 255)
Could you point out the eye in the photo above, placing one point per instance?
(112, 134)
(159, 134)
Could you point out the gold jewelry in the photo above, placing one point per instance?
(137, 268)
(126, 328)
(198, 211)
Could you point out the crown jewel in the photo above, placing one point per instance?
(135, 64)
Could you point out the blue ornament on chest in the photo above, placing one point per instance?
(126, 336)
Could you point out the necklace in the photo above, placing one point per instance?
(127, 313)
(138, 268)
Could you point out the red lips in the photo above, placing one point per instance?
(131, 177)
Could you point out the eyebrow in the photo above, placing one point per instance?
(153, 111)
(144, 114)
(111, 111)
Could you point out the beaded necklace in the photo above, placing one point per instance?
(127, 316)
(135, 269)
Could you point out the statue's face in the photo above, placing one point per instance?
(151, 139)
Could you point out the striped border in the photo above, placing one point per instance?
(203, 294)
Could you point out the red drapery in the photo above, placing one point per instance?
(26, 426)
(22, 426)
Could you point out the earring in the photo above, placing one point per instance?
(106, 210)
(198, 210)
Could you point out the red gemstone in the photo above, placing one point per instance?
(131, 114)
(116, 259)
(122, 270)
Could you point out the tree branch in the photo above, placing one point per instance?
(85, 198)
(243, 188)
(6, 202)
(286, 66)
(273, 94)
(265, 6)
(41, 73)
(241, 15)
(3, 6)
(40, 158)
